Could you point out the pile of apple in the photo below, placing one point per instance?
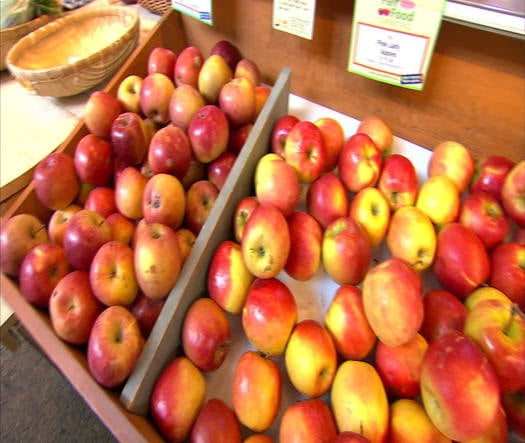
(127, 205)
(425, 344)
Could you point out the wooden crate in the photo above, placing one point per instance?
(125, 412)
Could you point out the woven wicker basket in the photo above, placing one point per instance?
(159, 7)
(9, 36)
(74, 53)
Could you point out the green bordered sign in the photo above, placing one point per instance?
(392, 41)
(199, 9)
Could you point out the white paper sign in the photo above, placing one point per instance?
(392, 40)
(199, 9)
(295, 17)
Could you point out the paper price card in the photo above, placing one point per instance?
(199, 9)
(392, 40)
(294, 16)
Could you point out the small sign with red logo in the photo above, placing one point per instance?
(392, 40)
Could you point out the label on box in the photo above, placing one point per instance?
(199, 9)
(393, 40)
(295, 17)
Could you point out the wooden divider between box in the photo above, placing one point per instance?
(164, 340)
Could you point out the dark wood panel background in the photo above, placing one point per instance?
(474, 94)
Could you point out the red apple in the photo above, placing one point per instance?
(128, 93)
(507, 271)
(277, 183)
(129, 190)
(237, 100)
(461, 263)
(146, 310)
(99, 112)
(345, 241)
(164, 200)
(304, 258)
(200, 200)
(58, 222)
(346, 321)
(305, 151)
(457, 377)
(243, 211)
(490, 173)
(513, 194)
(157, 259)
(227, 50)
(41, 270)
(377, 129)
(93, 160)
(349, 437)
(128, 138)
(265, 242)
(112, 274)
(398, 181)
(228, 279)
(360, 162)
(262, 93)
(196, 171)
(155, 96)
(208, 132)
(514, 407)
(307, 421)
(122, 228)
(327, 199)
(238, 137)
(162, 59)
(499, 330)
(248, 69)
(185, 101)
(86, 232)
(400, 366)
(56, 181)
(216, 422)
(483, 214)
(101, 199)
(114, 346)
(170, 152)
(205, 334)
(393, 301)
(443, 312)
(19, 234)
(186, 240)
(177, 397)
(256, 404)
(219, 169)
(73, 308)
(310, 358)
(334, 138)
(269, 315)
(453, 160)
(281, 128)
(187, 66)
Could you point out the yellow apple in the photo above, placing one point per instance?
(359, 401)
(310, 358)
(485, 293)
(409, 423)
(412, 237)
(439, 198)
(371, 209)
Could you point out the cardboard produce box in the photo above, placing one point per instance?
(124, 411)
